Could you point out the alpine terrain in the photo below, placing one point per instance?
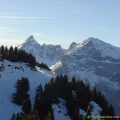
(93, 61)
(48, 54)
(47, 82)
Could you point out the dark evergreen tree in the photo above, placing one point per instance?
(17, 55)
(38, 98)
(42, 66)
(111, 110)
(27, 107)
(39, 102)
(48, 116)
(21, 95)
(74, 83)
(2, 49)
(30, 116)
(5, 55)
(60, 87)
(10, 54)
(2, 52)
(14, 117)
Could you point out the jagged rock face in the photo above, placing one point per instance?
(95, 62)
(94, 59)
(98, 64)
(48, 54)
(72, 46)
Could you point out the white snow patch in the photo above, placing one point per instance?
(9, 74)
(95, 109)
(60, 111)
(74, 94)
(82, 113)
(56, 66)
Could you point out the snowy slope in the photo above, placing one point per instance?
(96, 63)
(9, 74)
(48, 54)
(94, 110)
(72, 46)
(60, 111)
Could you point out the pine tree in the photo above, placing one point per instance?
(30, 116)
(10, 56)
(38, 105)
(27, 107)
(38, 97)
(14, 117)
(2, 52)
(73, 83)
(21, 95)
(2, 49)
(48, 116)
(60, 87)
(6, 53)
(15, 54)
(111, 110)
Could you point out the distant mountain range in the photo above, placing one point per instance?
(48, 54)
(95, 62)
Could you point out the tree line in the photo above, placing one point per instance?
(59, 87)
(17, 55)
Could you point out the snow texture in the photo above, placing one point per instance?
(9, 74)
(82, 114)
(95, 110)
(48, 54)
(95, 62)
(60, 111)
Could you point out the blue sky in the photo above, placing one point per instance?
(59, 21)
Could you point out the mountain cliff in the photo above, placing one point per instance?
(48, 54)
(95, 62)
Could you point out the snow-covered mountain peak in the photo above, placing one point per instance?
(97, 48)
(30, 40)
(93, 41)
(99, 44)
(97, 63)
(30, 44)
(48, 54)
(72, 46)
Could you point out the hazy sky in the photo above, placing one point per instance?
(59, 21)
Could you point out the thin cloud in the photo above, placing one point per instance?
(7, 13)
(8, 29)
(26, 17)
